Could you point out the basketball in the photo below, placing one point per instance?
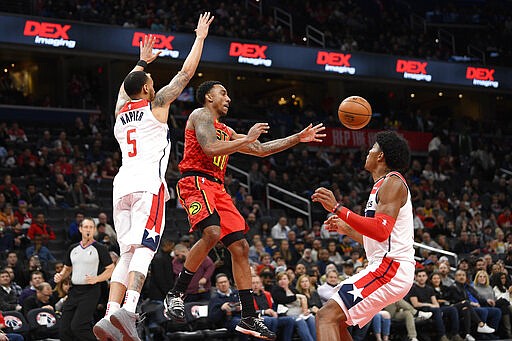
(354, 112)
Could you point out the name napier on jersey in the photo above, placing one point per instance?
(130, 116)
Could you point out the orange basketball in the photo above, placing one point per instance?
(355, 112)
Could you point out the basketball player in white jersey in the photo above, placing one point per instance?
(386, 232)
(140, 189)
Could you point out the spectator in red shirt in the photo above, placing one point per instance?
(16, 134)
(26, 159)
(23, 215)
(505, 219)
(40, 227)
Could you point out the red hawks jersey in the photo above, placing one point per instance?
(399, 245)
(145, 146)
(194, 158)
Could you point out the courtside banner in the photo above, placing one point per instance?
(341, 137)
(75, 37)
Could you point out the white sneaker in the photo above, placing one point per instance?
(424, 315)
(485, 329)
(469, 338)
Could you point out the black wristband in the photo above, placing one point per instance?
(142, 63)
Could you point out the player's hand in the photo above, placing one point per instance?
(256, 130)
(312, 134)
(324, 197)
(146, 49)
(335, 224)
(203, 24)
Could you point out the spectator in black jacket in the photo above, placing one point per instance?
(162, 275)
(42, 299)
(224, 307)
(8, 298)
(459, 297)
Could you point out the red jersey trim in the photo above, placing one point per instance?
(134, 105)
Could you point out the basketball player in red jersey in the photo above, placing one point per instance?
(140, 189)
(387, 233)
(208, 144)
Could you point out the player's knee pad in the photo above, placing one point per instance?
(232, 237)
(120, 273)
(142, 257)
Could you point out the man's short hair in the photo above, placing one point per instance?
(203, 89)
(219, 275)
(134, 82)
(396, 150)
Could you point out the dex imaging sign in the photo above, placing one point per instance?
(482, 76)
(335, 62)
(412, 69)
(253, 54)
(48, 33)
(163, 44)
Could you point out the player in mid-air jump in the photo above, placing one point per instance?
(140, 189)
(208, 144)
(387, 233)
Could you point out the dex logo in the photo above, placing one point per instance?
(413, 69)
(161, 41)
(335, 62)
(482, 76)
(247, 50)
(46, 29)
(163, 44)
(411, 66)
(47, 33)
(250, 53)
(480, 73)
(333, 58)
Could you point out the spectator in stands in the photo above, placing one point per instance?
(505, 219)
(482, 286)
(289, 254)
(224, 306)
(199, 288)
(444, 274)
(73, 234)
(41, 299)
(14, 286)
(36, 278)
(422, 297)
(280, 229)
(305, 288)
(307, 259)
(460, 297)
(256, 250)
(402, 311)
(16, 134)
(502, 287)
(263, 303)
(162, 273)
(323, 260)
(334, 255)
(23, 215)
(40, 227)
(249, 206)
(109, 170)
(8, 298)
(38, 249)
(10, 190)
(62, 145)
(109, 230)
(60, 294)
(296, 303)
(299, 227)
(7, 216)
(221, 258)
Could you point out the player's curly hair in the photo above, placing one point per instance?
(203, 89)
(396, 150)
(134, 82)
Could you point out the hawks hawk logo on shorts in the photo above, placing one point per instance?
(194, 208)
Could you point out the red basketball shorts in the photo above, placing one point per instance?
(201, 197)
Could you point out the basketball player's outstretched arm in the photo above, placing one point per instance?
(309, 134)
(392, 196)
(166, 95)
(202, 122)
(147, 55)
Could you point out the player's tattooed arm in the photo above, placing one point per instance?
(171, 91)
(203, 124)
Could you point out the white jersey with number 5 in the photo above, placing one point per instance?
(145, 147)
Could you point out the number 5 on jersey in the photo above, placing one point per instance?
(131, 141)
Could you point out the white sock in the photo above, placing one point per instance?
(130, 302)
(112, 307)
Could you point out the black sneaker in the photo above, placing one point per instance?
(255, 327)
(174, 308)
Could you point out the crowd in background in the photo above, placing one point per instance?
(383, 26)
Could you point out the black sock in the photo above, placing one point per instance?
(183, 281)
(247, 302)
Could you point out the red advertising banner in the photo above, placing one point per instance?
(340, 137)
